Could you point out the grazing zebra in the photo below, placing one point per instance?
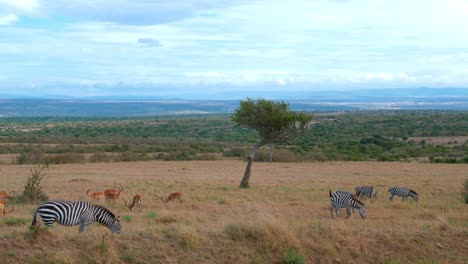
(70, 213)
(343, 199)
(366, 190)
(403, 192)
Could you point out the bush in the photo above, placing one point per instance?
(33, 157)
(279, 155)
(66, 158)
(33, 187)
(130, 156)
(179, 155)
(235, 152)
(205, 156)
(99, 157)
(292, 257)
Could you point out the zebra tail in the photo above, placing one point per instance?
(34, 217)
(329, 193)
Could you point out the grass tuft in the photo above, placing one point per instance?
(13, 221)
(293, 257)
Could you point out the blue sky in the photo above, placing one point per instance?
(167, 47)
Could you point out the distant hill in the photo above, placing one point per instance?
(416, 98)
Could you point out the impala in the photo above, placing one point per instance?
(96, 195)
(3, 208)
(172, 197)
(4, 195)
(113, 194)
(135, 202)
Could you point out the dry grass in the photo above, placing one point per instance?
(285, 210)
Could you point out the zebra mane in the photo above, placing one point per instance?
(413, 192)
(107, 211)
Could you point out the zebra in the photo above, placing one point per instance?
(70, 213)
(343, 199)
(366, 190)
(403, 192)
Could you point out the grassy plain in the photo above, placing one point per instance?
(285, 210)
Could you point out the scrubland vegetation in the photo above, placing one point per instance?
(437, 137)
(282, 218)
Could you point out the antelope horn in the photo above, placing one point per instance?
(12, 208)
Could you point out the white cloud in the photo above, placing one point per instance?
(26, 6)
(8, 19)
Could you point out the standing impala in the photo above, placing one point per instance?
(96, 195)
(3, 208)
(113, 194)
(135, 202)
(172, 197)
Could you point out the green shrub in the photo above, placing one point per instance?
(235, 152)
(292, 257)
(13, 221)
(99, 157)
(35, 156)
(33, 187)
(279, 155)
(151, 215)
(130, 156)
(127, 218)
(205, 156)
(66, 158)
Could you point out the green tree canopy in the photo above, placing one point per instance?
(274, 121)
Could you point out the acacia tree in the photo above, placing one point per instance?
(274, 122)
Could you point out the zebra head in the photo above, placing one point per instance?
(361, 209)
(115, 226)
(414, 195)
(107, 218)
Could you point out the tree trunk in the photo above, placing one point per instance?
(245, 180)
(270, 159)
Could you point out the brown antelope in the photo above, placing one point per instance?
(4, 195)
(172, 197)
(4, 209)
(135, 202)
(96, 195)
(113, 194)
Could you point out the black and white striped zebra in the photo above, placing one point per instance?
(343, 199)
(366, 191)
(403, 192)
(70, 213)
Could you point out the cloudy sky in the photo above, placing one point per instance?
(150, 47)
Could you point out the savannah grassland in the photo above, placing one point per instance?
(285, 210)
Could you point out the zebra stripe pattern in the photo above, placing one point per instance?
(70, 213)
(343, 199)
(403, 192)
(366, 191)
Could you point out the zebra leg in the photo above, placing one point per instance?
(348, 212)
(391, 197)
(331, 212)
